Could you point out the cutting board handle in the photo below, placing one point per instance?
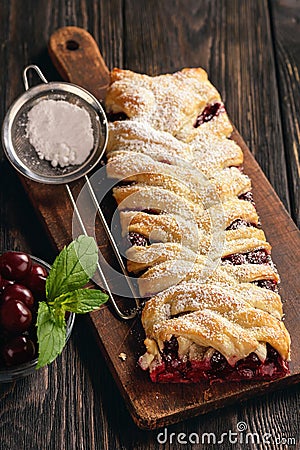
(77, 57)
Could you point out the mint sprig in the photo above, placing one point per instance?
(71, 270)
(80, 301)
(51, 333)
(73, 267)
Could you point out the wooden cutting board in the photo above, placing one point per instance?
(77, 58)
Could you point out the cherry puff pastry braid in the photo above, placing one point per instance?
(212, 308)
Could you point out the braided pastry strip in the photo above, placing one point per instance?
(140, 197)
(214, 315)
(140, 168)
(164, 101)
(168, 273)
(207, 152)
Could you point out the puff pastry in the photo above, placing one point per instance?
(212, 308)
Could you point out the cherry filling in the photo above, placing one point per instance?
(239, 223)
(137, 239)
(241, 168)
(175, 370)
(248, 197)
(154, 212)
(114, 117)
(165, 161)
(209, 112)
(267, 284)
(259, 256)
(170, 351)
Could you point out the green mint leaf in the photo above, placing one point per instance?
(81, 301)
(51, 333)
(73, 267)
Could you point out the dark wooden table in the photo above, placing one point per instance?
(251, 49)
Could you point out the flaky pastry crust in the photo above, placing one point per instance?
(193, 233)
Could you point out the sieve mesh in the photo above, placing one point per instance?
(27, 155)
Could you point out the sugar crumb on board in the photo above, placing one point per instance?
(122, 356)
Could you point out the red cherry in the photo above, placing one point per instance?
(36, 269)
(36, 279)
(15, 317)
(18, 350)
(4, 283)
(37, 284)
(18, 292)
(14, 265)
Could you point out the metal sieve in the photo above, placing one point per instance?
(16, 143)
(25, 160)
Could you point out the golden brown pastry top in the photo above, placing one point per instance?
(184, 192)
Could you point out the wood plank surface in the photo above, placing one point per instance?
(75, 403)
(286, 18)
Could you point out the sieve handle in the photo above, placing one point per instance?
(38, 71)
(77, 57)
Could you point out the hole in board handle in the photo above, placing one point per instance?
(72, 45)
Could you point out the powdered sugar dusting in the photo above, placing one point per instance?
(158, 150)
